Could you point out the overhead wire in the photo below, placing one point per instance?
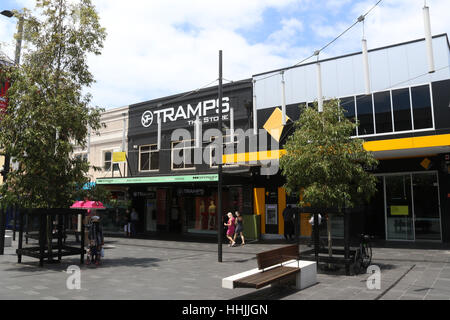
(317, 52)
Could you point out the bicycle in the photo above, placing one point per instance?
(363, 255)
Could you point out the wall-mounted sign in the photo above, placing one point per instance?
(203, 109)
(191, 192)
(399, 210)
(147, 194)
(119, 157)
(161, 179)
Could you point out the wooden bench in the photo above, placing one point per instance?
(275, 266)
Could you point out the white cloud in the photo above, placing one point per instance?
(163, 47)
(160, 48)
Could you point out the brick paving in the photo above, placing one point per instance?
(188, 270)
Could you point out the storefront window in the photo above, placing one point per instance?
(201, 211)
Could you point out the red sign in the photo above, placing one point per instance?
(3, 97)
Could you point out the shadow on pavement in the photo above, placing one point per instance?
(270, 293)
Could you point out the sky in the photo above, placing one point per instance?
(157, 48)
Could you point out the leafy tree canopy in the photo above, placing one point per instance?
(324, 161)
(48, 113)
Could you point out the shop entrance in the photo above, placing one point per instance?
(412, 206)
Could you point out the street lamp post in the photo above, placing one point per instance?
(6, 166)
(219, 167)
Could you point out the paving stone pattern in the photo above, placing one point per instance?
(188, 270)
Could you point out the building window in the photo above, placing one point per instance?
(401, 104)
(230, 146)
(365, 114)
(107, 161)
(348, 104)
(148, 158)
(397, 110)
(383, 114)
(421, 104)
(82, 156)
(183, 154)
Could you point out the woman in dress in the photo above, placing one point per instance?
(231, 225)
(239, 228)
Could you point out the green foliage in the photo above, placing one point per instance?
(324, 161)
(48, 113)
(96, 193)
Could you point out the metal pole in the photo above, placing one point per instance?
(2, 230)
(219, 170)
(346, 242)
(316, 237)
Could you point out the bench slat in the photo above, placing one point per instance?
(277, 256)
(263, 279)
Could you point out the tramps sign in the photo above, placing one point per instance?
(206, 110)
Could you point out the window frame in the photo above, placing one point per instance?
(173, 148)
(149, 157)
(211, 165)
(112, 164)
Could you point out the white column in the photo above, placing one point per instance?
(283, 99)
(428, 38)
(159, 132)
(319, 88)
(365, 57)
(255, 113)
(232, 123)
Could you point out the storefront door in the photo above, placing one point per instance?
(412, 206)
(399, 211)
(427, 224)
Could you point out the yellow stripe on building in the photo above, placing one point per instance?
(408, 143)
(379, 145)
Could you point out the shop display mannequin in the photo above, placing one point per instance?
(212, 215)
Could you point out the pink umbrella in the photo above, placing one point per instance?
(87, 204)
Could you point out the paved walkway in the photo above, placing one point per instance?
(179, 270)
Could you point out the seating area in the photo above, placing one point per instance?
(276, 267)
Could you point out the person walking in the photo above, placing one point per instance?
(239, 228)
(231, 227)
(288, 216)
(127, 224)
(96, 240)
(311, 222)
(134, 222)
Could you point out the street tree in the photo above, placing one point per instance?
(48, 112)
(326, 163)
